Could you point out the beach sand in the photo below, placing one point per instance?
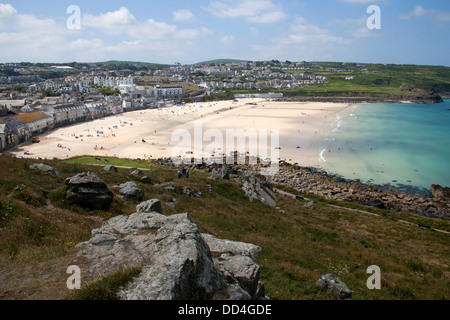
(148, 133)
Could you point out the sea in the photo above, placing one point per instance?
(403, 145)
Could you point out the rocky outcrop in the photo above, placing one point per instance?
(176, 260)
(110, 168)
(334, 287)
(146, 180)
(172, 203)
(440, 193)
(190, 193)
(44, 168)
(312, 181)
(136, 172)
(130, 190)
(254, 188)
(153, 205)
(88, 191)
(427, 99)
(221, 173)
(419, 97)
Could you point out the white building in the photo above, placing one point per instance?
(137, 92)
(169, 92)
(66, 113)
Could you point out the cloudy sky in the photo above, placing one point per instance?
(412, 31)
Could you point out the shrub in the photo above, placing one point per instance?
(23, 193)
(106, 288)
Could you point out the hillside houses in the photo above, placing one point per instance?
(35, 123)
(20, 127)
(28, 125)
(67, 96)
(66, 114)
(8, 139)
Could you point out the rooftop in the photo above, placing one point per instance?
(30, 117)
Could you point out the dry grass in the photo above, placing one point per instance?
(39, 231)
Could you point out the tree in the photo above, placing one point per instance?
(49, 93)
(108, 91)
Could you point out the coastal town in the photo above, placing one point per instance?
(225, 156)
(36, 98)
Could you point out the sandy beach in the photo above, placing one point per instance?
(149, 133)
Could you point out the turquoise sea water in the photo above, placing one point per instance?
(402, 145)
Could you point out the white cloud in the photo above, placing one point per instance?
(434, 14)
(269, 17)
(122, 21)
(193, 33)
(361, 1)
(116, 22)
(302, 32)
(258, 11)
(356, 27)
(254, 30)
(303, 40)
(6, 10)
(111, 35)
(183, 15)
(227, 39)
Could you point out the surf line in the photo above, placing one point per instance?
(321, 155)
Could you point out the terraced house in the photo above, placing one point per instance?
(36, 123)
(8, 138)
(66, 113)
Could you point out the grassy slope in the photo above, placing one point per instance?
(429, 78)
(432, 78)
(39, 230)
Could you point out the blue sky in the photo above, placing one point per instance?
(412, 32)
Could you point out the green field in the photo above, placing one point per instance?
(138, 164)
(370, 80)
(377, 81)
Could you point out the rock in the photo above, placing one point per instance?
(440, 193)
(333, 286)
(237, 262)
(191, 193)
(131, 191)
(170, 188)
(219, 246)
(137, 172)
(255, 189)
(88, 191)
(110, 168)
(166, 186)
(172, 203)
(146, 180)
(148, 206)
(239, 270)
(44, 168)
(176, 261)
(309, 205)
(221, 173)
